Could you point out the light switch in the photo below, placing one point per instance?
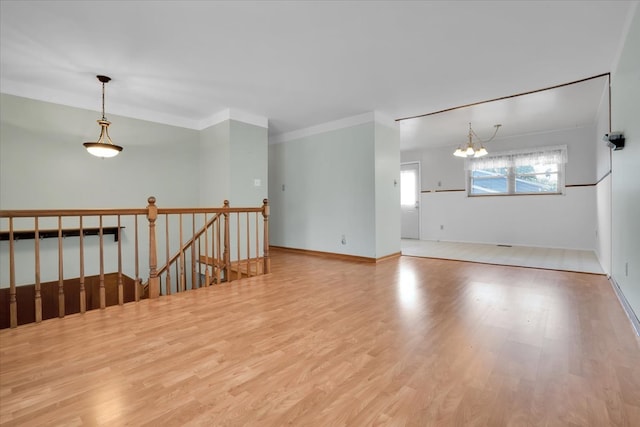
(257, 182)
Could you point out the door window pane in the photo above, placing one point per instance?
(408, 188)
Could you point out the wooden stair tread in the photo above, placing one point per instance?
(256, 266)
(211, 261)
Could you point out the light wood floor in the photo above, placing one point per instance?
(409, 341)
(523, 256)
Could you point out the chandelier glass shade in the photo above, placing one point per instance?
(104, 146)
(474, 149)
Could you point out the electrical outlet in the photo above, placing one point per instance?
(344, 239)
(439, 183)
(257, 182)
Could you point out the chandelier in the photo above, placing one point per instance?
(472, 149)
(104, 147)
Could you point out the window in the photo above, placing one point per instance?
(534, 171)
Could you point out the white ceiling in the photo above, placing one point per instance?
(300, 64)
(566, 107)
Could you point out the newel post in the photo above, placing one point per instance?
(226, 255)
(267, 258)
(154, 280)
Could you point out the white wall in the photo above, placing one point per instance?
(554, 221)
(442, 171)
(603, 187)
(625, 184)
(602, 151)
(560, 221)
(603, 216)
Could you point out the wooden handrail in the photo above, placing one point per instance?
(216, 233)
(43, 213)
(207, 210)
(188, 243)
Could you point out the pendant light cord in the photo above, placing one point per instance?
(478, 138)
(103, 117)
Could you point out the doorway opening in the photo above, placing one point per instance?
(410, 200)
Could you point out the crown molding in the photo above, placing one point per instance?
(233, 114)
(383, 119)
(370, 117)
(53, 96)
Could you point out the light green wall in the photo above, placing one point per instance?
(329, 191)
(44, 165)
(387, 191)
(233, 155)
(248, 163)
(214, 165)
(334, 184)
(625, 177)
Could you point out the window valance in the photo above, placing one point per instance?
(516, 158)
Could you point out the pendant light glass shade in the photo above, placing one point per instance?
(459, 153)
(104, 147)
(470, 149)
(481, 152)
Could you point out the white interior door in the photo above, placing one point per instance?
(410, 200)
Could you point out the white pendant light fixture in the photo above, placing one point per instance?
(104, 147)
(473, 150)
